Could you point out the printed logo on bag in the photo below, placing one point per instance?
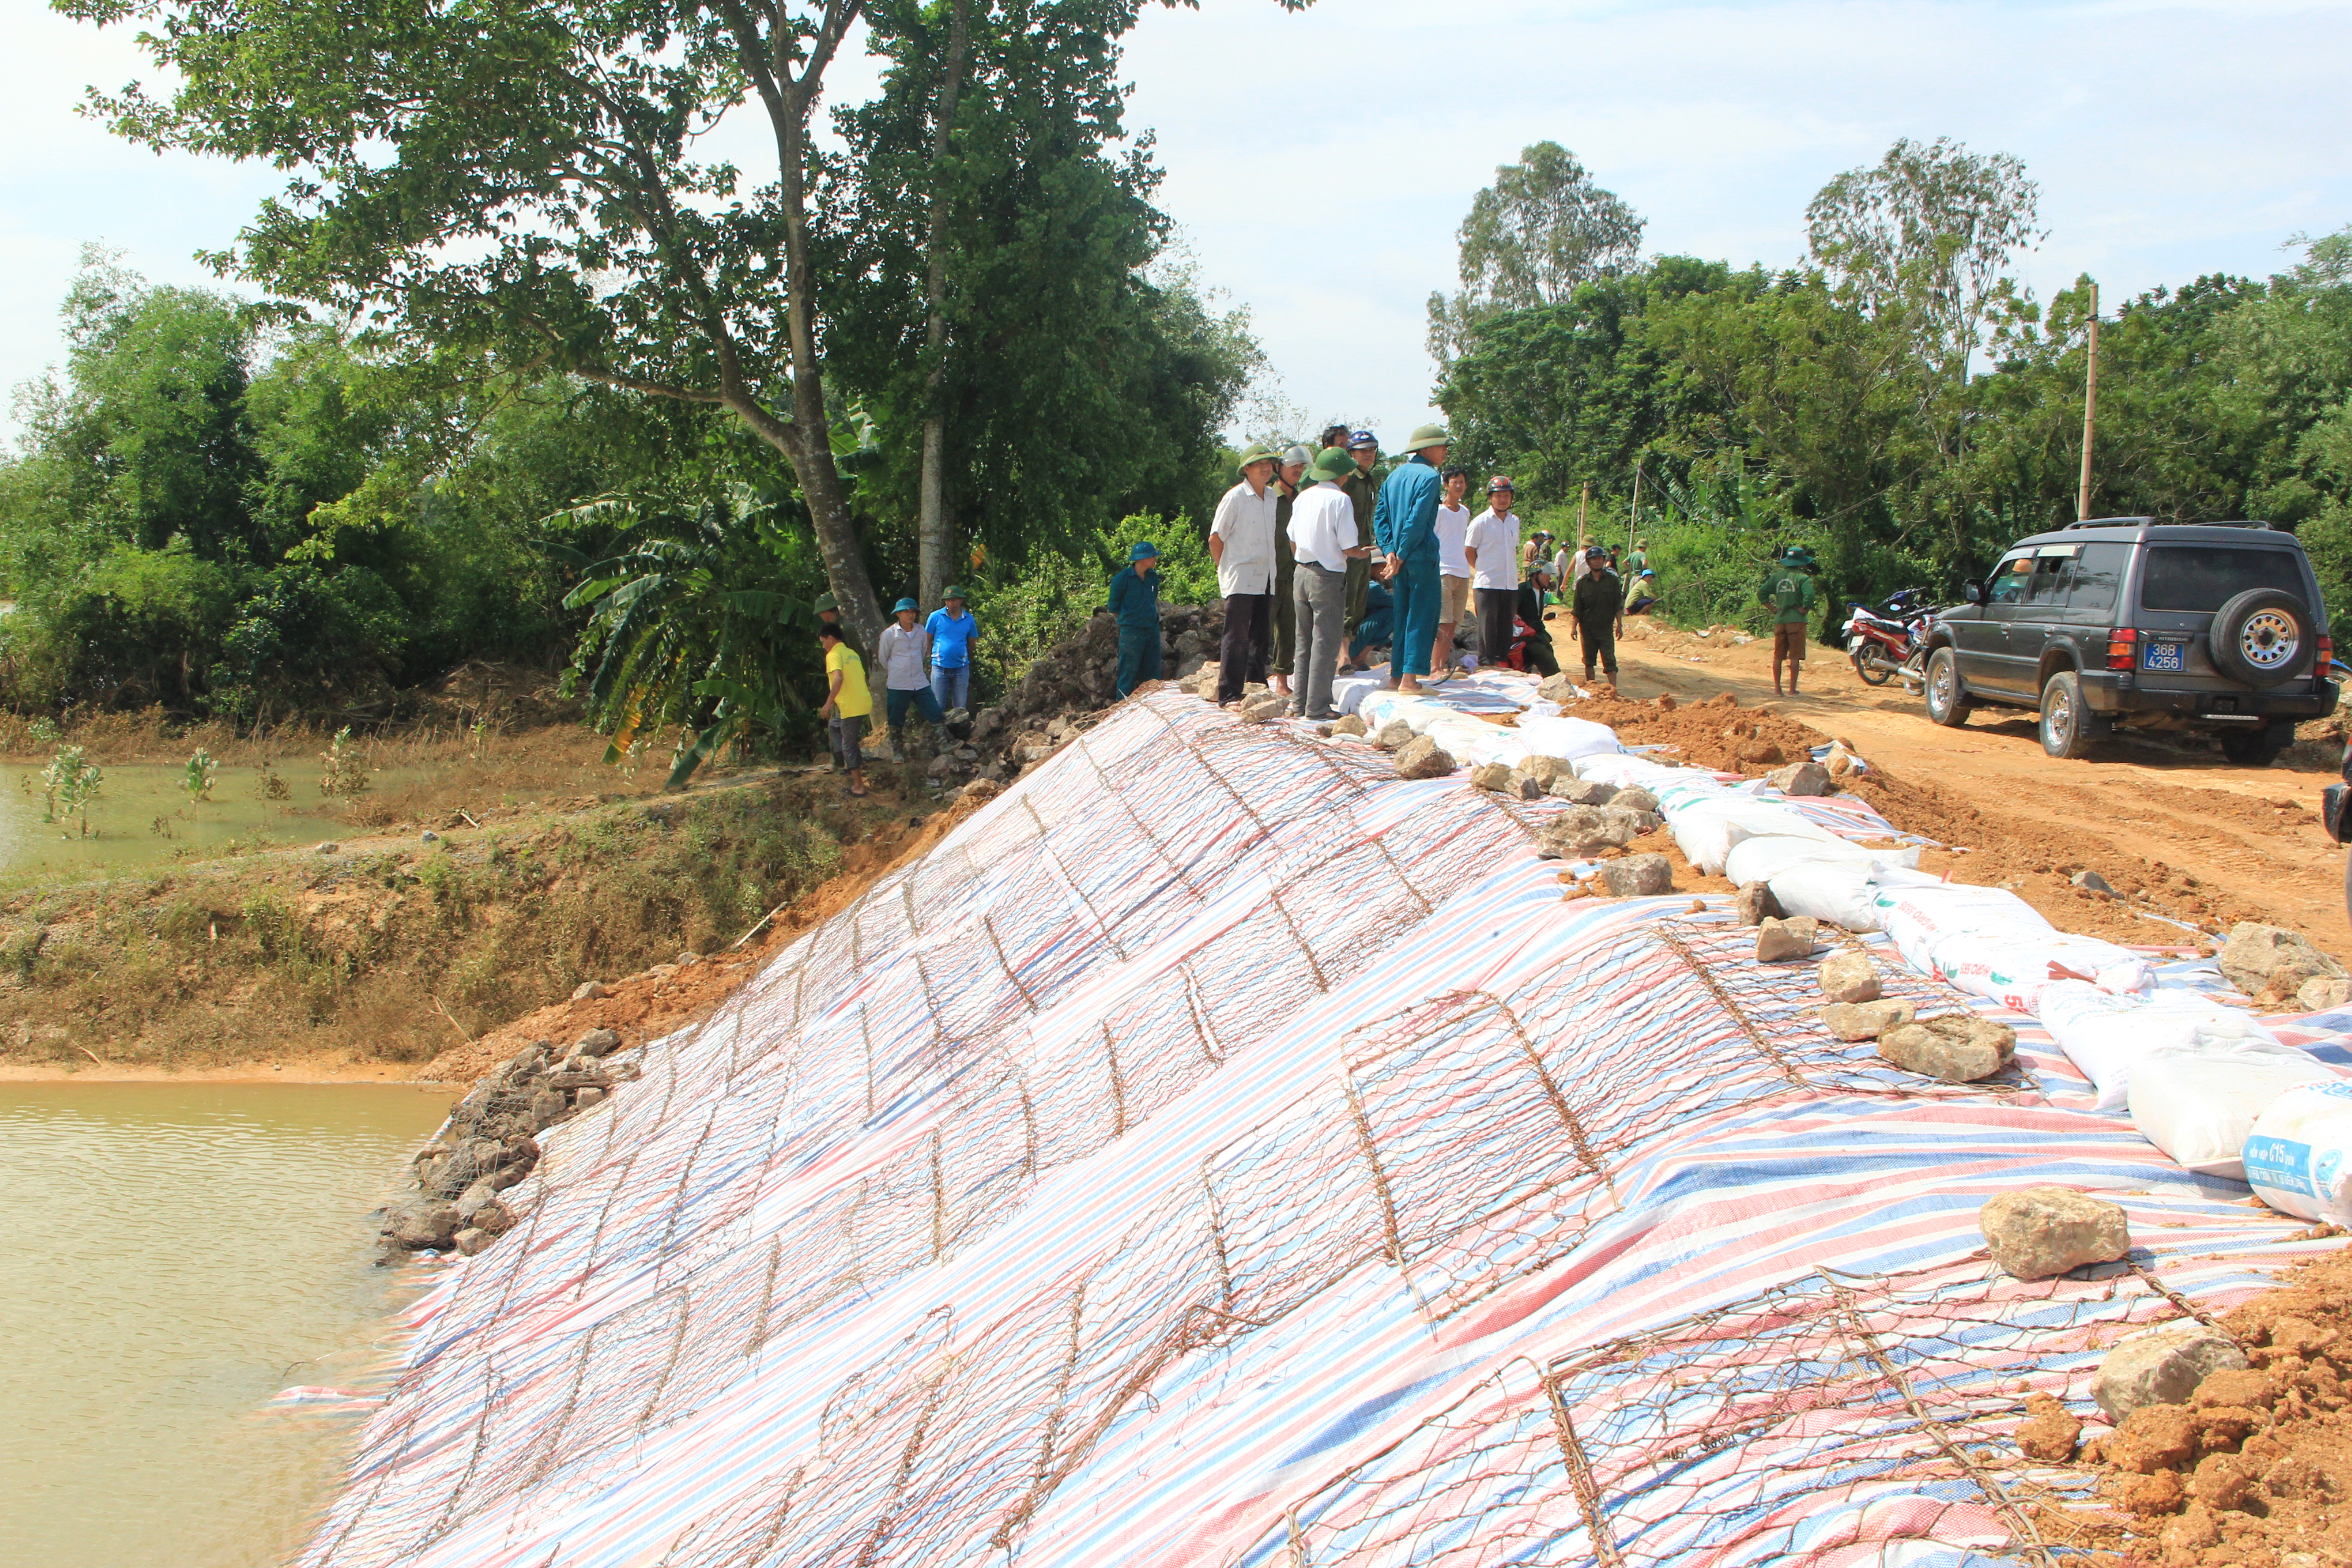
(2281, 1163)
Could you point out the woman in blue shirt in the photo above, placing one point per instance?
(952, 629)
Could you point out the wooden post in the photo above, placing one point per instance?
(1583, 499)
(1634, 521)
(2090, 410)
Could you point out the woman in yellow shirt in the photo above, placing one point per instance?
(849, 705)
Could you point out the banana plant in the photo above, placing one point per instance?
(692, 621)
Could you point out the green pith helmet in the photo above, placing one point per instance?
(824, 601)
(1334, 463)
(1256, 452)
(1428, 435)
(1800, 555)
(953, 593)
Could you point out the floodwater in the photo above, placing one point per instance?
(173, 1258)
(141, 819)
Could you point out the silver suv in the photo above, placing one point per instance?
(2124, 622)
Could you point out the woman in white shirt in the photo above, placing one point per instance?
(1452, 568)
(905, 655)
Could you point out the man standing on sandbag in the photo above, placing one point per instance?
(1404, 527)
(1597, 607)
(1241, 541)
(1789, 591)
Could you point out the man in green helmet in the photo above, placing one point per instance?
(1787, 589)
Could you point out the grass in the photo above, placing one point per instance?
(391, 955)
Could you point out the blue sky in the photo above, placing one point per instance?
(1319, 163)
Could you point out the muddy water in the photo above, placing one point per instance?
(173, 1259)
(142, 818)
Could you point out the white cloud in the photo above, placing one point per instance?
(1320, 162)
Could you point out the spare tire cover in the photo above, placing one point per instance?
(2262, 638)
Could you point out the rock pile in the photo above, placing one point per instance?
(491, 1143)
(2281, 968)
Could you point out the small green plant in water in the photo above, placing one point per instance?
(198, 777)
(345, 776)
(69, 785)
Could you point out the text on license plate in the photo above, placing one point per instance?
(2170, 656)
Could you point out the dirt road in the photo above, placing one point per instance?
(2177, 831)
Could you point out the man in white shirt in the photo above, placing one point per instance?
(1452, 527)
(1492, 546)
(1241, 541)
(905, 655)
(1322, 541)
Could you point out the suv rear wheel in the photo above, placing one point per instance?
(2065, 723)
(1947, 704)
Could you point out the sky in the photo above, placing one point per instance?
(1319, 163)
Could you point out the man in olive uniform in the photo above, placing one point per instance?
(1788, 590)
(1363, 492)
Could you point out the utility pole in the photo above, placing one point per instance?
(1633, 520)
(2090, 410)
(1583, 499)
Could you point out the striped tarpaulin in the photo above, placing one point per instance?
(1217, 1150)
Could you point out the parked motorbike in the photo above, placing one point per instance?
(1886, 643)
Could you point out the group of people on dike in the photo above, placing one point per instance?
(1321, 557)
(926, 668)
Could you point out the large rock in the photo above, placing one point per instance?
(1544, 770)
(589, 991)
(1393, 734)
(1581, 792)
(1755, 904)
(1807, 777)
(1523, 787)
(470, 1241)
(1638, 876)
(1264, 707)
(2037, 1232)
(1584, 831)
(1349, 725)
(1779, 940)
(597, 1043)
(1849, 977)
(2323, 992)
(1635, 799)
(494, 1217)
(2163, 1366)
(1958, 1047)
(421, 1224)
(1423, 758)
(1867, 1020)
(1556, 689)
(1496, 777)
(2255, 952)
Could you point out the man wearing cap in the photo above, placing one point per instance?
(1135, 609)
(1597, 613)
(1363, 492)
(1241, 541)
(1404, 527)
(952, 629)
(1788, 590)
(1288, 479)
(1492, 547)
(828, 612)
(1323, 538)
(905, 655)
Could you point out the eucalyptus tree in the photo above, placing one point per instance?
(1540, 229)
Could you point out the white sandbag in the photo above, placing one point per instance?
(2296, 1158)
(2105, 1031)
(1758, 858)
(1626, 770)
(2199, 1104)
(1917, 917)
(1839, 891)
(1471, 740)
(1703, 828)
(1569, 739)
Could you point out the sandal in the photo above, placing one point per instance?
(859, 794)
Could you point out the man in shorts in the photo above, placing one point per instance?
(1787, 589)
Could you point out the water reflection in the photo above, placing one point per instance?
(171, 1259)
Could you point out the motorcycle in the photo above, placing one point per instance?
(1886, 643)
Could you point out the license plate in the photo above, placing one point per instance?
(2170, 656)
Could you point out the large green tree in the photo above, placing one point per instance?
(1542, 229)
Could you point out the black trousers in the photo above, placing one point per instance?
(1499, 612)
(1248, 642)
(1600, 643)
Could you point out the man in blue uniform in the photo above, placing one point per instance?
(1135, 606)
(1404, 529)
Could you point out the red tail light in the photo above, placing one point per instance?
(2326, 654)
(2119, 648)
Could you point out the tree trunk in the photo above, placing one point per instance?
(932, 541)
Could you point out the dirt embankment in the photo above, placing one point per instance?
(2176, 831)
